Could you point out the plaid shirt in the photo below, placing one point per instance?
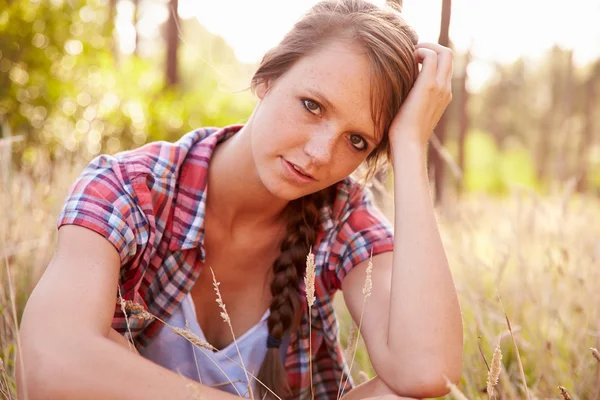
(149, 203)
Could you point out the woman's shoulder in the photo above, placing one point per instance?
(128, 196)
(354, 229)
(352, 196)
(161, 158)
(354, 219)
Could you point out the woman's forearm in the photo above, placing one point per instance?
(424, 308)
(374, 387)
(97, 368)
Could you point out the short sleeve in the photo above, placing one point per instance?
(363, 230)
(103, 199)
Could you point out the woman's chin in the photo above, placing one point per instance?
(282, 185)
(283, 190)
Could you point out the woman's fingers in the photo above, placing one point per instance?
(429, 61)
(444, 61)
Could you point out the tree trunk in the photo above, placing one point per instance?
(564, 134)
(114, 45)
(463, 119)
(434, 160)
(136, 17)
(172, 77)
(587, 136)
(550, 120)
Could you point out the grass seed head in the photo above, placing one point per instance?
(309, 279)
(564, 393)
(136, 310)
(219, 299)
(494, 372)
(368, 286)
(595, 353)
(192, 338)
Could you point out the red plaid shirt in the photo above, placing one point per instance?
(149, 203)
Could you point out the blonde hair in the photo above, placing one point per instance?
(389, 43)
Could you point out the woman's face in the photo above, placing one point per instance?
(316, 118)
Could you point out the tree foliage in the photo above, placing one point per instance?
(64, 91)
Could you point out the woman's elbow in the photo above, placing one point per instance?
(33, 382)
(34, 372)
(45, 365)
(423, 381)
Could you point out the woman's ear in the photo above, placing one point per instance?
(262, 88)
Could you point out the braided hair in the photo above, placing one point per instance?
(390, 44)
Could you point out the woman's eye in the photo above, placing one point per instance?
(312, 106)
(358, 142)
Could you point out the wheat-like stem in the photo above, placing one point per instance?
(564, 393)
(124, 310)
(11, 295)
(494, 372)
(226, 318)
(595, 353)
(196, 392)
(136, 310)
(4, 388)
(352, 338)
(455, 391)
(519, 362)
(368, 286)
(309, 281)
(252, 376)
(202, 346)
(187, 326)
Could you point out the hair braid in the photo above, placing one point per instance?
(288, 270)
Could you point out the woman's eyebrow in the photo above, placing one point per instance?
(325, 101)
(322, 99)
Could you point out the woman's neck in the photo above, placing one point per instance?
(236, 194)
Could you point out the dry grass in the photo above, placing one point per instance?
(494, 372)
(455, 391)
(540, 254)
(227, 320)
(309, 282)
(367, 287)
(564, 393)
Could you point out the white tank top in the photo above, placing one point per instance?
(177, 354)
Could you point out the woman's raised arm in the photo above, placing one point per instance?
(69, 350)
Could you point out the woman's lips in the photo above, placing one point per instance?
(294, 171)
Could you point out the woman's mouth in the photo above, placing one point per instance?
(296, 173)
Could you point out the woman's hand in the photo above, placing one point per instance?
(428, 98)
(389, 397)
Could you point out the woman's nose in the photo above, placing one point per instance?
(320, 147)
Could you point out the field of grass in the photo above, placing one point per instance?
(531, 259)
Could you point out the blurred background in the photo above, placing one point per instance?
(514, 162)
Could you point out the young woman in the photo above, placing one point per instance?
(249, 201)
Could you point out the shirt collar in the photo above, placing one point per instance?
(190, 197)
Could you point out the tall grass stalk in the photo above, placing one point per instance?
(226, 318)
(309, 282)
(565, 395)
(11, 295)
(138, 311)
(455, 391)
(367, 287)
(197, 342)
(494, 372)
(123, 309)
(519, 362)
